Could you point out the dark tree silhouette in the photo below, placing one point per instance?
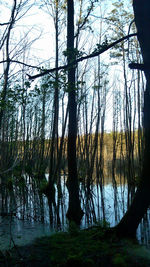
(74, 211)
(141, 201)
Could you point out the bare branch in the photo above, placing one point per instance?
(94, 54)
(4, 24)
(80, 26)
(139, 66)
(20, 62)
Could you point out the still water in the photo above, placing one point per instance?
(30, 216)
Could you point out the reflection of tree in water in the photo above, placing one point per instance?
(22, 198)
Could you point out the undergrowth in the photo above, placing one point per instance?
(95, 246)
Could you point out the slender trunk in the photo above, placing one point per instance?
(41, 170)
(54, 143)
(6, 71)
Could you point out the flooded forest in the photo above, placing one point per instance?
(71, 116)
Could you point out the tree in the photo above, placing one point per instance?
(141, 201)
(130, 221)
(6, 70)
(74, 211)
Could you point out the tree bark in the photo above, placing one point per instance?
(74, 212)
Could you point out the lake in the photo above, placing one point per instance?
(26, 215)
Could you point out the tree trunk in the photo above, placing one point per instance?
(74, 211)
(6, 71)
(129, 223)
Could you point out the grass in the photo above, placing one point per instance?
(96, 246)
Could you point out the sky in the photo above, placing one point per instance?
(36, 24)
(39, 26)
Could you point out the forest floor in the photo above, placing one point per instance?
(90, 247)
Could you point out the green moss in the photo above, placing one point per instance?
(93, 247)
(73, 229)
(119, 260)
(74, 247)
